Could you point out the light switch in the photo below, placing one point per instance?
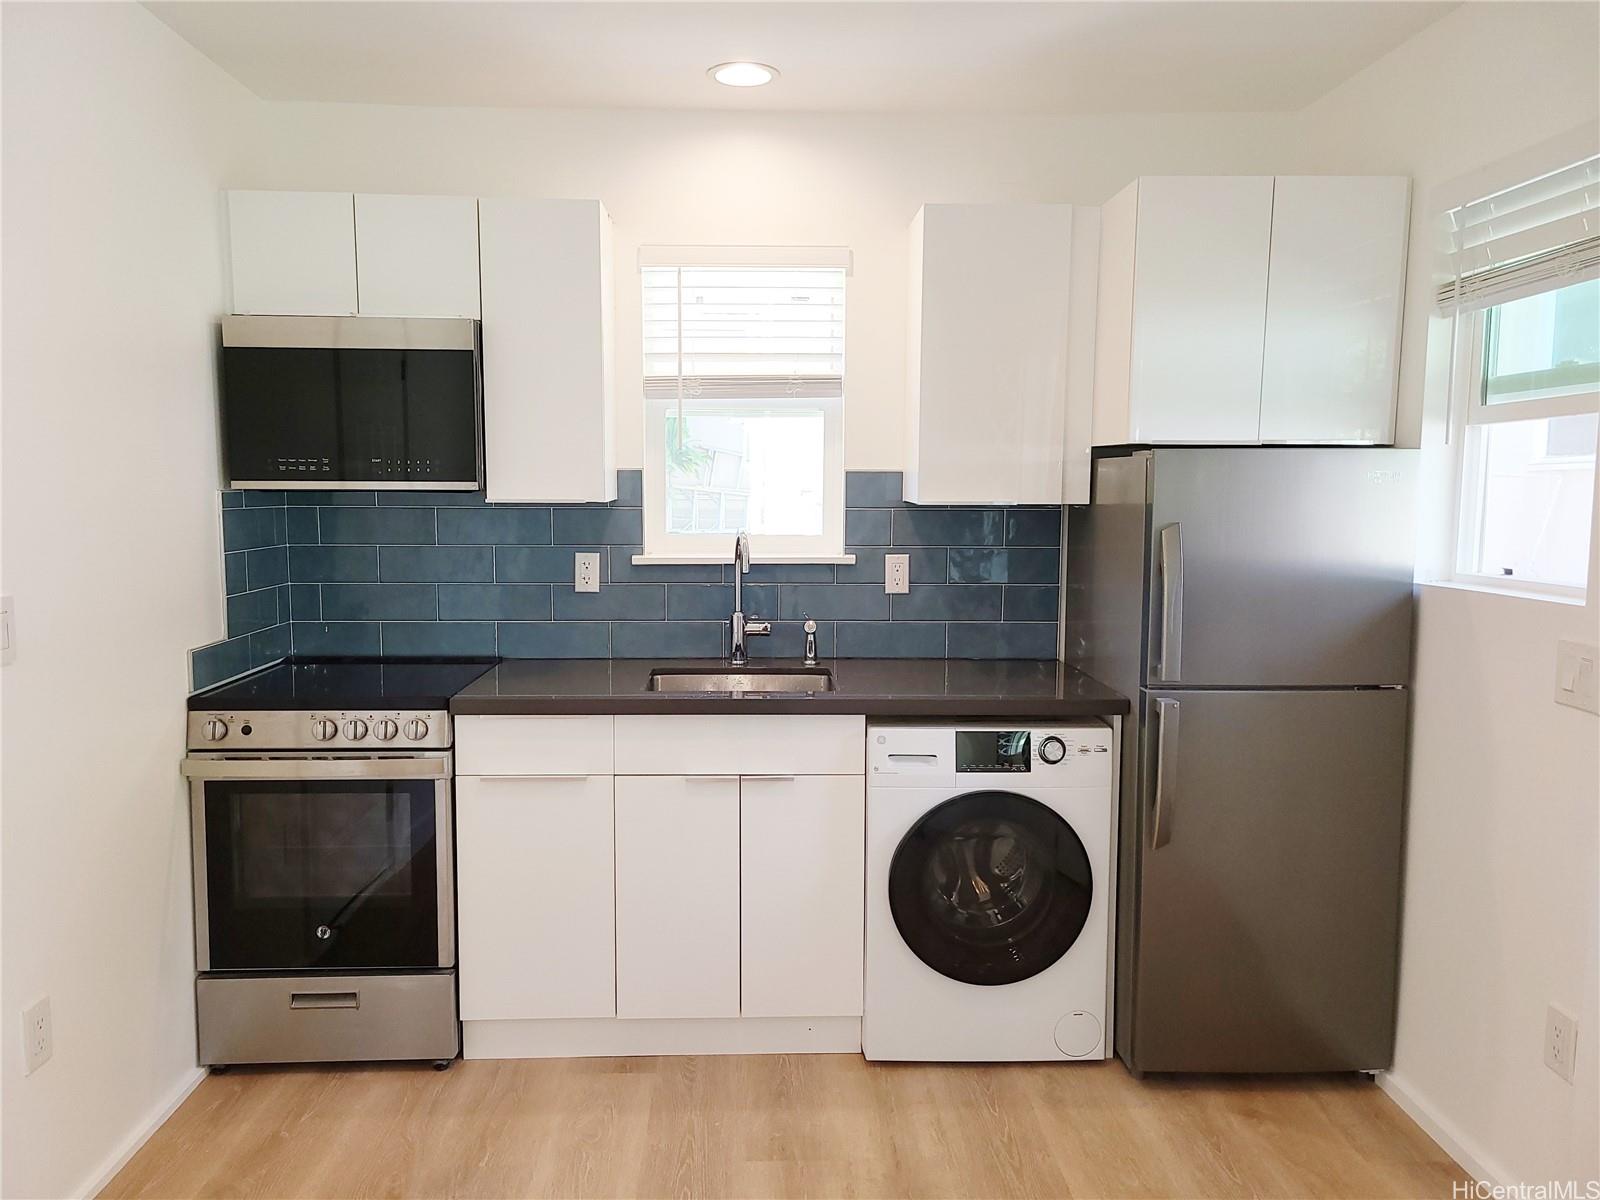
(1578, 675)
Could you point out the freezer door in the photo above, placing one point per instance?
(1269, 850)
(1285, 566)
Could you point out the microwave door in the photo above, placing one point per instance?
(280, 416)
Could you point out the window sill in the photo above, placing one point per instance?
(694, 560)
(1513, 593)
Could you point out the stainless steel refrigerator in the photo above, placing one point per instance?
(1256, 605)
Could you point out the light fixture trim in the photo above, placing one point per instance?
(742, 73)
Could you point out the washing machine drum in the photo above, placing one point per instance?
(990, 888)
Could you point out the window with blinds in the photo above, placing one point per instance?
(1523, 287)
(744, 393)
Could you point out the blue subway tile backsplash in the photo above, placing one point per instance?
(446, 573)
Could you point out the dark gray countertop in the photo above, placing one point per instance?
(875, 687)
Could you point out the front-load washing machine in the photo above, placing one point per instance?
(989, 892)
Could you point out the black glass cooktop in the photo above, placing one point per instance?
(347, 683)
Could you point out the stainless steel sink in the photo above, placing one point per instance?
(746, 679)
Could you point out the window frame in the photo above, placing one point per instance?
(1469, 413)
(662, 546)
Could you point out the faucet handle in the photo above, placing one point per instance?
(810, 625)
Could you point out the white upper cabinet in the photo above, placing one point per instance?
(293, 253)
(417, 256)
(1334, 293)
(991, 286)
(546, 285)
(1246, 309)
(1183, 300)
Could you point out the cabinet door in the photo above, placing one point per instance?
(534, 891)
(678, 896)
(991, 286)
(293, 253)
(546, 282)
(417, 256)
(802, 840)
(1199, 308)
(1333, 308)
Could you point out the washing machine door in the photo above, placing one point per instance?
(990, 888)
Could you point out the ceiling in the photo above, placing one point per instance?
(877, 56)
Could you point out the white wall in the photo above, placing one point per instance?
(1501, 869)
(116, 138)
(698, 178)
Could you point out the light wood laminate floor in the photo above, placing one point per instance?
(771, 1126)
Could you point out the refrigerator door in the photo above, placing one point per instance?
(1268, 829)
(1281, 566)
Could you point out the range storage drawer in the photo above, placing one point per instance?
(326, 1018)
(529, 745)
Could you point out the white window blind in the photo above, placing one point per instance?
(743, 333)
(1530, 238)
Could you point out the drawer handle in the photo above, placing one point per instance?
(771, 778)
(324, 999)
(710, 778)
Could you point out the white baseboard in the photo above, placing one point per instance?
(1442, 1130)
(141, 1134)
(608, 1037)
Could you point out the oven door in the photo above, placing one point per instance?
(322, 864)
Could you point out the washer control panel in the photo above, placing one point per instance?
(1073, 754)
(320, 730)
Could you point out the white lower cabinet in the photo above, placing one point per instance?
(801, 840)
(534, 889)
(705, 908)
(677, 896)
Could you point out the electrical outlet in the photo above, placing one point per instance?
(36, 1040)
(897, 574)
(585, 572)
(1560, 1041)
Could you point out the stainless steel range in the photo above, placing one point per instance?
(323, 868)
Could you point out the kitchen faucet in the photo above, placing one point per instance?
(741, 627)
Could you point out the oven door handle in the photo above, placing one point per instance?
(317, 768)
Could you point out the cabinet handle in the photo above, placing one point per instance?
(527, 778)
(710, 778)
(770, 778)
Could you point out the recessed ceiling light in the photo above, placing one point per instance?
(743, 74)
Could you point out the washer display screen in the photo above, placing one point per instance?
(993, 750)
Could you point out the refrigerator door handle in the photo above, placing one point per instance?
(1171, 567)
(1166, 744)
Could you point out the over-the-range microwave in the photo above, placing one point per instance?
(352, 402)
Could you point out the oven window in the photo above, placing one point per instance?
(321, 874)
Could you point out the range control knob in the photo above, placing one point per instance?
(355, 729)
(416, 729)
(214, 730)
(323, 729)
(385, 730)
(1052, 750)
